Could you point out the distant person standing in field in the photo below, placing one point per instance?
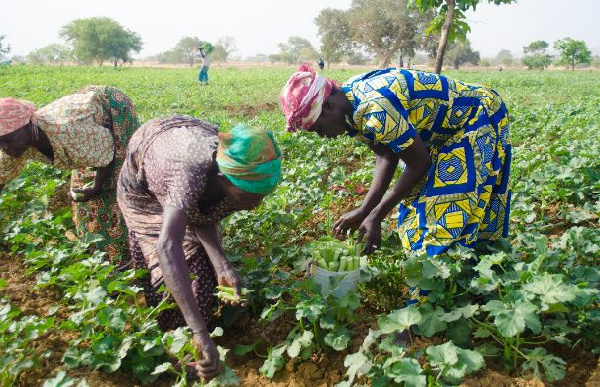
(180, 178)
(87, 132)
(453, 138)
(205, 65)
(321, 64)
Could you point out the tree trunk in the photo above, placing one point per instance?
(439, 59)
(385, 61)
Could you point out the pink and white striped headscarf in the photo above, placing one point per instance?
(302, 97)
(14, 114)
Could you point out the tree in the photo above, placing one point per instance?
(573, 52)
(56, 54)
(537, 58)
(99, 39)
(187, 49)
(450, 22)
(386, 27)
(504, 57)
(4, 48)
(460, 53)
(223, 49)
(274, 58)
(484, 62)
(297, 49)
(334, 30)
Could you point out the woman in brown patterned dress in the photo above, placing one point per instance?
(87, 132)
(180, 178)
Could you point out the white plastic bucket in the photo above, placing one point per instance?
(348, 281)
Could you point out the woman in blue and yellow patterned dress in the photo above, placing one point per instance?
(452, 137)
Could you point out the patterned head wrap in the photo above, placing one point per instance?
(14, 114)
(302, 97)
(250, 159)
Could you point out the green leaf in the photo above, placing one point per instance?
(227, 377)
(388, 344)
(241, 349)
(551, 289)
(460, 332)
(338, 339)
(162, 368)
(402, 369)
(310, 309)
(444, 354)
(554, 367)
(357, 363)
(112, 318)
(512, 318)
(481, 333)
(217, 332)
(274, 362)
(176, 340)
(431, 320)
(399, 320)
(302, 341)
(72, 357)
(454, 362)
(327, 322)
(60, 380)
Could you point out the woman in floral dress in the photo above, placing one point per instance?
(86, 132)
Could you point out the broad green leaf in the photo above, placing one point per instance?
(338, 339)
(217, 332)
(459, 332)
(273, 363)
(227, 377)
(444, 354)
(357, 363)
(60, 380)
(310, 309)
(112, 318)
(327, 322)
(241, 349)
(431, 320)
(405, 370)
(162, 368)
(454, 362)
(554, 367)
(551, 289)
(399, 320)
(512, 318)
(389, 345)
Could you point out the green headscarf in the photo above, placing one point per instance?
(250, 159)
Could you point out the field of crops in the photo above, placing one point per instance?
(524, 312)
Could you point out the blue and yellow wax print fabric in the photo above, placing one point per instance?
(465, 196)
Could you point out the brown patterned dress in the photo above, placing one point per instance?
(168, 161)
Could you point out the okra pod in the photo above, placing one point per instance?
(229, 290)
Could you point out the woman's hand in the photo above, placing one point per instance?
(208, 367)
(370, 230)
(83, 194)
(348, 222)
(228, 276)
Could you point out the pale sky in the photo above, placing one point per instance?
(258, 26)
